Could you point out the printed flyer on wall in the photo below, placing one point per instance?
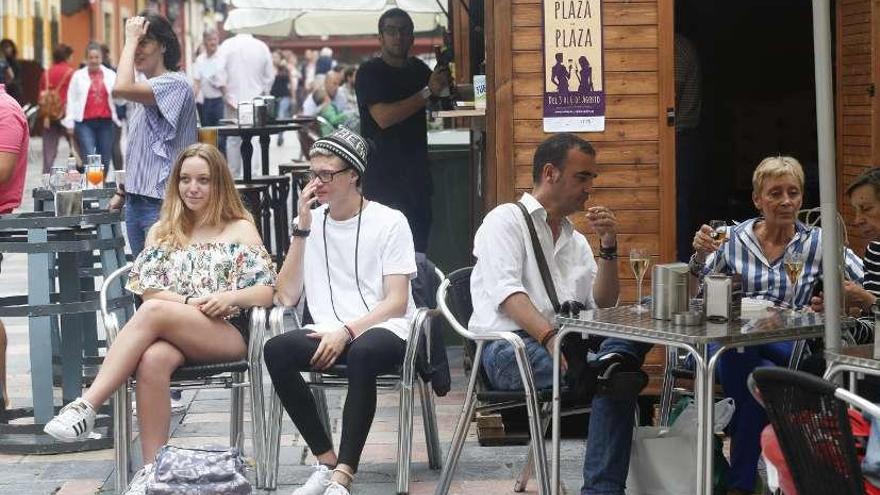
(574, 90)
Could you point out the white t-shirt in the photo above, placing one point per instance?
(385, 247)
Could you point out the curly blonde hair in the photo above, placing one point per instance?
(176, 221)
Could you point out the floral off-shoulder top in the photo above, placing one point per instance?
(201, 269)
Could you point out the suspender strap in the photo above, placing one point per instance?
(539, 257)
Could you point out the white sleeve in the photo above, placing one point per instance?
(399, 253)
(500, 251)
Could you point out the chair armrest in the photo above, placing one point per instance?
(256, 335)
(276, 319)
(858, 402)
(111, 323)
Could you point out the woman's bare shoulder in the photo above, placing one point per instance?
(243, 231)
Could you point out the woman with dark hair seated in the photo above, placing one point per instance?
(864, 196)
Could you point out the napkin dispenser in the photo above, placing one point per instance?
(669, 290)
(722, 296)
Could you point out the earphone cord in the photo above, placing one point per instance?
(327, 259)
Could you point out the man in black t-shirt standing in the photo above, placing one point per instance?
(392, 91)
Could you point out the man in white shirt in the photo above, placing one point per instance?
(509, 294)
(351, 261)
(209, 80)
(249, 73)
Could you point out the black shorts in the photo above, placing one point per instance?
(242, 323)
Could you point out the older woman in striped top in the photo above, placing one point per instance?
(756, 250)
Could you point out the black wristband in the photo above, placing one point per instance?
(297, 232)
(186, 300)
(117, 193)
(608, 253)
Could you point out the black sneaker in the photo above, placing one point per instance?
(617, 375)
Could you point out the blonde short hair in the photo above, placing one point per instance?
(777, 166)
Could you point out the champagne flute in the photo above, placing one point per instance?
(794, 265)
(639, 260)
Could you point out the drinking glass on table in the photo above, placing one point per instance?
(639, 260)
(794, 265)
(95, 171)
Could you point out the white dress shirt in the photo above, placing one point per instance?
(248, 64)
(506, 265)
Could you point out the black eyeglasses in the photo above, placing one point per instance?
(397, 31)
(324, 176)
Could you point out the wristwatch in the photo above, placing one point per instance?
(425, 92)
(297, 232)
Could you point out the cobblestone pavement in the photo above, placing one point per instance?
(482, 470)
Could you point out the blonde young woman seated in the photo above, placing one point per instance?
(203, 266)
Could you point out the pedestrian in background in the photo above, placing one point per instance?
(91, 113)
(56, 80)
(10, 53)
(209, 76)
(249, 73)
(281, 88)
(119, 123)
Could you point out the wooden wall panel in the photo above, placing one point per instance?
(858, 112)
(638, 82)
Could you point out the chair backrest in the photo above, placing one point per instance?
(454, 299)
(458, 295)
(813, 429)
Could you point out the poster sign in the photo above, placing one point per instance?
(574, 89)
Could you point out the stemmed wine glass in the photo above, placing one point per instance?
(719, 233)
(794, 265)
(639, 260)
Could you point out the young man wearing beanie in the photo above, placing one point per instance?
(351, 260)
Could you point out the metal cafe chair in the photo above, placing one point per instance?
(454, 301)
(403, 380)
(230, 375)
(809, 417)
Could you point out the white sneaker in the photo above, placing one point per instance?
(138, 485)
(335, 488)
(74, 422)
(317, 483)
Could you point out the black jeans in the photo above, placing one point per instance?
(375, 352)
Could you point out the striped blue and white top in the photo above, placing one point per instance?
(766, 279)
(872, 268)
(158, 133)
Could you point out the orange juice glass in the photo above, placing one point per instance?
(95, 176)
